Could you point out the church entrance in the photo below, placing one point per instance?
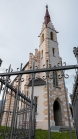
(57, 113)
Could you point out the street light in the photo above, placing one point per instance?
(0, 62)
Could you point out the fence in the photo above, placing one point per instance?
(17, 119)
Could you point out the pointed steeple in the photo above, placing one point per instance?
(47, 16)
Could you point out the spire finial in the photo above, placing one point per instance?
(46, 6)
(47, 16)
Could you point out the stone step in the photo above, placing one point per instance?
(66, 128)
(55, 128)
(61, 128)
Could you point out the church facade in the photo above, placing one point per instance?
(48, 50)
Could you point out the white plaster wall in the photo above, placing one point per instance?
(44, 124)
(42, 47)
(66, 123)
(51, 28)
(53, 44)
(36, 64)
(38, 91)
(53, 59)
(23, 83)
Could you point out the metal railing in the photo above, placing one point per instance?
(15, 111)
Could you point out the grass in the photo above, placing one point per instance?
(43, 134)
(2, 132)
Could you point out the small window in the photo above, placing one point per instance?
(51, 35)
(42, 37)
(53, 50)
(55, 79)
(41, 54)
(61, 63)
(36, 109)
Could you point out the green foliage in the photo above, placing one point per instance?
(43, 134)
(2, 132)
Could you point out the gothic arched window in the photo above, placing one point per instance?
(55, 79)
(42, 37)
(51, 35)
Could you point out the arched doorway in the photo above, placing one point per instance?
(57, 113)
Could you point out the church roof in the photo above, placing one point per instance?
(25, 65)
(37, 82)
(47, 16)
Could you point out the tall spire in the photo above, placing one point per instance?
(47, 16)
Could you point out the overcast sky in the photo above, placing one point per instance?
(20, 26)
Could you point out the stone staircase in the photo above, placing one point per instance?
(61, 128)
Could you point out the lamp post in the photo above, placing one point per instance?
(0, 62)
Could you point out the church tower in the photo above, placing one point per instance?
(49, 50)
(48, 42)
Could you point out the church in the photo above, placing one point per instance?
(48, 50)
